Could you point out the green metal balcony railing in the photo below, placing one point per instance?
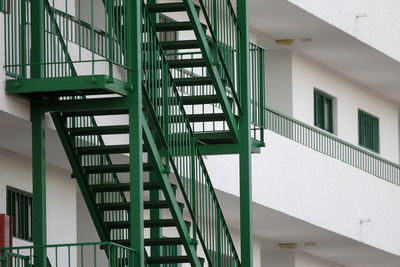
(68, 255)
(257, 94)
(68, 40)
(184, 155)
(332, 146)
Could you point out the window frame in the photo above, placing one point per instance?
(330, 114)
(22, 219)
(362, 142)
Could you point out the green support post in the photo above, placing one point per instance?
(134, 35)
(155, 214)
(38, 38)
(246, 231)
(39, 185)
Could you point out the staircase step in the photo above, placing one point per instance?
(101, 112)
(199, 100)
(168, 7)
(99, 130)
(196, 100)
(114, 168)
(193, 81)
(165, 241)
(124, 187)
(168, 260)
(186, 63)
(147, 224)
(162, 204)
(176, 26)
(206, 117)
(112, 149)
(178, 63)
(183, 44)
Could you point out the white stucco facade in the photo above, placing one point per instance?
(299, 195)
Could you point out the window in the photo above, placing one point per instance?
(19, 206)
(170, 250)
(368, 131)
(323, 111)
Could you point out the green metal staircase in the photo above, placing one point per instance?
(188, 106)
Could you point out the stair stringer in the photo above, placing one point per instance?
(169, 195)
(80, 177)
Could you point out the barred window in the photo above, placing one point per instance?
(19, 206)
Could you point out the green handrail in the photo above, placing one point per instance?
(331, 145)
(209, 224)
(90, 40)
(69, 253)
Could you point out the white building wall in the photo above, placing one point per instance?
(302, 260)
(370, 21)
(277, 259)
(16, 171)
(279, 80)
(298, 181)
(350, 96)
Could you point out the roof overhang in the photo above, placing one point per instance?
(280, 19)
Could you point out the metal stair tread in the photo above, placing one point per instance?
(178, 63)
(186, 63)
(161, 204)
(164, 241)
(147, 224)
(206, 117)
(114, 168)
(125, 187)
(175, 26)
(101, 112)
(99, 130)
(179, 44)
(170, 260)
(108, 149)
(192, 81)
(168, 7)
(199, 100)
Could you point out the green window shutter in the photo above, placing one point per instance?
(323, 111)
(19, 206)
(319, 110)
(368, 131)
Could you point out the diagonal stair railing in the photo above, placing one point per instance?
(224, 31)
(184, 155)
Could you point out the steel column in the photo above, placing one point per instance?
(39, 186)
(246, 231)
(38, 37)
(136, 235)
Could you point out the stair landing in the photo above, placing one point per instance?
(87, 85)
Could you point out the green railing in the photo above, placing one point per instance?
(185, 158)
(332, 146)
(257, 94)
(224, 32)
(257, 87)
(68, 40)
(67, 255)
